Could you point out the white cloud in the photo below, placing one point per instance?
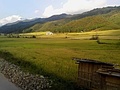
(74, 6)
(37, 11)
(49, 11)
(10, 19)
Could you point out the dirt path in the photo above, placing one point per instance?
(6, 85)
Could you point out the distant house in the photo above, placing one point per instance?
(49, 33)
(96, 75)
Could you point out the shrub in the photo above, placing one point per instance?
(33, 36)
(94, 37)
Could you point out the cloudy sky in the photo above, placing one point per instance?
(13, 10)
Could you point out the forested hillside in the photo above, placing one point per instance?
(106, 18)
(107, 21)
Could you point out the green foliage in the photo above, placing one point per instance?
(98, 22)
(94, 37)
(33, 36)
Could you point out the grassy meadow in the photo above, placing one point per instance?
(52, 55)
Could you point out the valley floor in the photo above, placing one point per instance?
(52, 55)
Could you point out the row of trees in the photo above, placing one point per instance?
(16, 36)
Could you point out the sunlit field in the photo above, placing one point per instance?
(109, 34)
(52, 55)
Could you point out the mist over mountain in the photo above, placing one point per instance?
(100, 18)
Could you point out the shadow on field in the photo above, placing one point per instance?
(106, 42)
(26, 66)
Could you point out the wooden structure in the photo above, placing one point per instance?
(110, 79)
(90, 77)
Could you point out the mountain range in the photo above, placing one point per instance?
(97, 19)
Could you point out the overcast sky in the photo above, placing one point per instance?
(13, 10)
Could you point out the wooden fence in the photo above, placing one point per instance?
(96, 75)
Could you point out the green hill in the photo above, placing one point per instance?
(107, 21)
(105, 18)
(48, 26)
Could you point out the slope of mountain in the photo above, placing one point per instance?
(48, 26)
(98, 22)
(107, 21)
(96, 11)
(100, 18)
(18, 27)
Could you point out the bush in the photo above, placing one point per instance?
(33, 36)
(94, 37)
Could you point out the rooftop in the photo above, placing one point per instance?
(91, 61)
(109, 72)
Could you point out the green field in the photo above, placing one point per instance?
(52, 55)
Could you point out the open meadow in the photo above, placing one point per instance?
(52, 55)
